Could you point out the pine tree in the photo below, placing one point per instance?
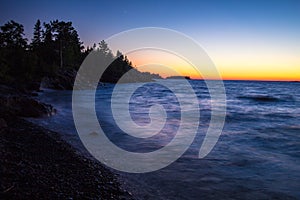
(37, 35)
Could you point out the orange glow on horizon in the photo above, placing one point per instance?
(159, 62)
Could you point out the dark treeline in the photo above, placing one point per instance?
(54, 46)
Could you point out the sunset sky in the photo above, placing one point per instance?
(252, 40)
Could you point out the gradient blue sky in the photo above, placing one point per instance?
(234, 33)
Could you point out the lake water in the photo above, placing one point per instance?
(256, 157)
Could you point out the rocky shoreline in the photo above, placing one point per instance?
(37, 164)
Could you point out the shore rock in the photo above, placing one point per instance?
(62, 80)
(20, 104)
(29, 107)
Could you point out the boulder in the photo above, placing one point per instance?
(28, 107)
(23, 105)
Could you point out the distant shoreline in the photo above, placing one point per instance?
(244, 80)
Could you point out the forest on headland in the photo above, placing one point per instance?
(53, 56)
(37, 163)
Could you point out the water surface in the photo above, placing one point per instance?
(256, 157)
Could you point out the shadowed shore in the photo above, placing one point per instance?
(37, 164)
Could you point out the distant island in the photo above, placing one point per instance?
(179, 77)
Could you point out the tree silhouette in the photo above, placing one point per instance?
(12, 48)
(37, 35)
(67, 43)
(55, 47)
(12, 35)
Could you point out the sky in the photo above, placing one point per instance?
(249, 40)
